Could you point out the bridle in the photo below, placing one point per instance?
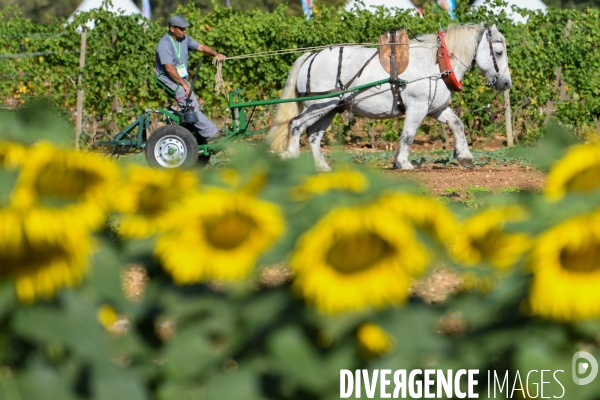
(492, 55)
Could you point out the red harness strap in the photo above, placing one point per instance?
(446, 66)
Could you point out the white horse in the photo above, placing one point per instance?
(425, 94)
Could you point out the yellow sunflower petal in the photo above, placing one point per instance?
(577, 171)
(147, 195)
(428, 214)
(107, 316)
(482, 239)
(565, 261)
(341, 179)
(217, 235)
(11, 154)
(357, 257)
(40, 261)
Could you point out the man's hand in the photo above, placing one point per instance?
(187, 89)
(220, 57)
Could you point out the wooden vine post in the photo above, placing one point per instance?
(79, 116)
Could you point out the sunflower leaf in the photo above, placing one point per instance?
(297, 360)
(241, 384)
(552, 146)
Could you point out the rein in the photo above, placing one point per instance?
(495, 78)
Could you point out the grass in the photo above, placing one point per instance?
(511, 189)
(478, 190)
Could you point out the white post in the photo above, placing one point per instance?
(508, 117)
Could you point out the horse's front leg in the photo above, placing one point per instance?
(414, 118)
(461, 148)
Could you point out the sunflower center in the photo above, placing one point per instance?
(358, 252)
(30, 259)
(489, 244)
(228, 231)
(65, 182)
(153, 200)
(583, 259)
(586, 180)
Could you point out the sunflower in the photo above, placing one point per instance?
(148, 195)
(40, 261)
(373, 340)
(342, 179)
(356, 257)
(577, 171)
(73, 187)
(565, 261)
(482, 238)
(217, 235)
(426, 213)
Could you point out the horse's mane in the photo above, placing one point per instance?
(460, 40)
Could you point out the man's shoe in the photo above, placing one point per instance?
(220, 135)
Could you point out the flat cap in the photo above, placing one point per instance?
(179, 21)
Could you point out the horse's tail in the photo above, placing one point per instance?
(279, 133)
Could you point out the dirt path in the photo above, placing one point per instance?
(436, 180)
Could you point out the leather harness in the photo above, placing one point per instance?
(338, 81)
(394, 37)
(445, 65)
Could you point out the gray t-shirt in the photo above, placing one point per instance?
(167, 50)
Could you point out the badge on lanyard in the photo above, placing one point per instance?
(181, 69)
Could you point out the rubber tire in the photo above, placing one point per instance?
(178, 133)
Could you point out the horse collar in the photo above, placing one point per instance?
(446, 70)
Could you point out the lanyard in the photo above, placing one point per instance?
(178, 53)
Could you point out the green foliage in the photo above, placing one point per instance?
(37, 120)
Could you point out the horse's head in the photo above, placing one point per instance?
(492, 58)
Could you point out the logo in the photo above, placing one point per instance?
(581, 368)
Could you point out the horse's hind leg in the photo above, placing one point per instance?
(302, 122)
(412, 121)
(315, 134)
(461, 148)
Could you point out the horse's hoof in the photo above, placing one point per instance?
(466, 162)
(405, 166)
(286, 155)
(324, 168)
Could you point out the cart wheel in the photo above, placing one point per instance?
(171, 146)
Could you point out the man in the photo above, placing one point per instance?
(172, 70)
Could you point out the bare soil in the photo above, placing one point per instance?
(437, 179)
